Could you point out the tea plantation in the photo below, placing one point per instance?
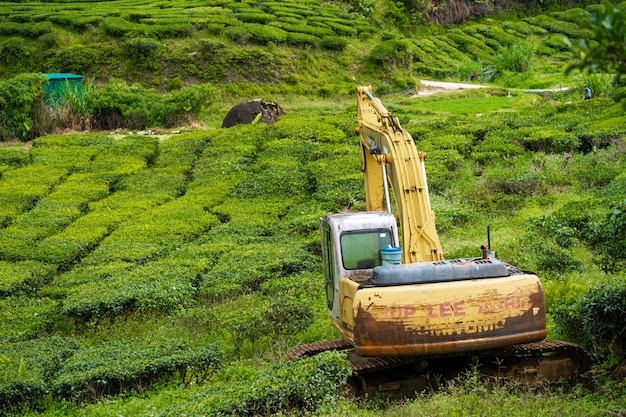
(168, 274)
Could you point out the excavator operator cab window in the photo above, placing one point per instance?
(361, 249)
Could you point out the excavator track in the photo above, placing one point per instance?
(531, 364)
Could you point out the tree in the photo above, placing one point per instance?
(605, 50)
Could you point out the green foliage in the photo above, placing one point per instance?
(120, 105)
(302, 39)
(281, 316)
(612, 246)
(144, 52)
(605, 53)
(548, 140)
(23, 277)
(80, 59)
(26, 369)
(597, 319)
(302, 384)
(23, 318)
(184, 240)
(334, 43)
(21, 99)
(392, 54)
(364, 7)
(112, 367)
(595, 169)
(517, 57)
(264, 34)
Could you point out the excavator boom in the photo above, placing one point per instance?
(389, 156)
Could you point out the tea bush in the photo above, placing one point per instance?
(280, 316)
(23, 277)
(158, 286)
(243, 267)
(593, 170)
(334, 43)
(26, 29)
(26, 369)
(597, 319)
(27, 185)
(468, 45)
(256, 17)
(144, 52)
(264, 34)
(23, 317)
(302, 384)
(112, 367)
(302, 39)
(548, 140)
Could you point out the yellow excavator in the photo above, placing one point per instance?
(407, 315)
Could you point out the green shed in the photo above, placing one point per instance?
(58, 86)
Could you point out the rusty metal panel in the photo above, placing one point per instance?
(448, 317)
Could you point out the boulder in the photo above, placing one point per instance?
(249, 112)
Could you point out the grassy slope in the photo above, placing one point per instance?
(266, 189)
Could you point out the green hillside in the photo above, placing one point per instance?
(169, 274)
(253, 47)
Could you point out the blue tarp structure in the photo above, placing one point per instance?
(58, 85)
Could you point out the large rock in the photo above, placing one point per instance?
(249, 111)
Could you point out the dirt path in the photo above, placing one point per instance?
(434, 87)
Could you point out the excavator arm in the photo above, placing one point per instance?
(389, 156)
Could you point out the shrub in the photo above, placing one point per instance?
(594, 170)
(26, 369)
(27, 185)
(264, 62)
(244, 266)
(144, 52)
(613, 255)
(302, 384)
(239, 34)
(116, 366)
(517, 57)
(120, 105)
(21, 100)
(598, 319)
(14, 157)
(342, 29)
(22, 317)
(80, 59)
(468, 67)
(302, 39)
(23, 277)
(496, 146)
(392, 53)
(255, 17)
(26, 29)
(548, 140)
(334, 43)
(281, 316)
(264, 34)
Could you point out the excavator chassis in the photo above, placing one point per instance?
(531, 364)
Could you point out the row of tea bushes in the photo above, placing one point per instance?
(180, 20)
(31, 370)
(206, 217)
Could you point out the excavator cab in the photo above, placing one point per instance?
(351, 247)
